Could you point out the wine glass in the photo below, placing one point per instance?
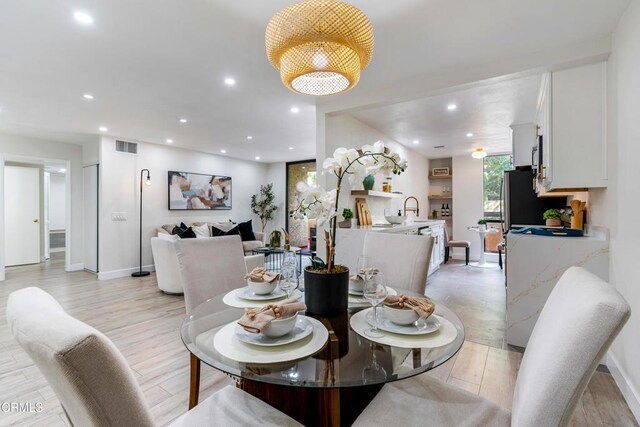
(375, 291)
(288, 281)
(373, 373)
(364, 264)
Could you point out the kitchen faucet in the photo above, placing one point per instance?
(416, 209)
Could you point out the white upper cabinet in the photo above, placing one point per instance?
(524, 138)
(572, 120)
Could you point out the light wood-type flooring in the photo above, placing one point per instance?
(144, 325)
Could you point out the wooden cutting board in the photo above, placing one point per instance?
(362, 209)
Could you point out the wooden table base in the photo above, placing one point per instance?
(315, 406)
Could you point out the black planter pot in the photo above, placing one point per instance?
(326, 294)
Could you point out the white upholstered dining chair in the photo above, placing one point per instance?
(401, 257)
(209, 267)
(93, 381)
(576, 327)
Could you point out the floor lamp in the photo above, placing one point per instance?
(141, 273)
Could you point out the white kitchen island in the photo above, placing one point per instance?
(534, 266)
(350, 241)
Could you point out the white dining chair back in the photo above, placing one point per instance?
(89, 375)
(578, 323)
(209, 267)
(403, 259)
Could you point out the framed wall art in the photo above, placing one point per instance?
(195, 191)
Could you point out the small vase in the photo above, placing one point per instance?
(326, 293)
(482, 227)
(345, 224)
(368, 182)
(555, 222)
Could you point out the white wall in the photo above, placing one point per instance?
(467, 200)
(617, 207)
(119, 183)
(277, 174)
(12, 147)
(57, 202)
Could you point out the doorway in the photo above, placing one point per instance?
(301, 231)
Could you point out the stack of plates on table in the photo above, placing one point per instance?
(246, 294)
(303, 329)
(419, 327)
(244, 298)
(357, 297)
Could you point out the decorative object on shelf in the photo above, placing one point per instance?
(434, 214)
(262, 204)
(440, 172)
(347, 214)
(147, 181)
(195, 191)
(319, 46)
(327, 285)
(385, 187)
(364, 215)
(275, 239)
(389, 182)
(369, 182)
(578, 208)
(287, 246)
(552, 217)
(479, 153)
(482, 224)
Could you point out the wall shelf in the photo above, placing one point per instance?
(440, 198)
(371, 193)
(441, 176)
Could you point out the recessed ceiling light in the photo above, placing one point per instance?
(229, 81)
(415, 141)
(83, 18)
(103, 129)
(469, 135)
(290, 148)
(452, 107)
(257, 157)
(249, 137)
(169, 141)
(183, 120)
(223, 151)
(87, 96)
(295, 109)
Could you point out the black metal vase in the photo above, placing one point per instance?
(326, 294)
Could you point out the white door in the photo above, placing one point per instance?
(22, 215)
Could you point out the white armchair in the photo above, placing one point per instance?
(168, 269)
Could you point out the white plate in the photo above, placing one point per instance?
(356, 293)
(245, 293)
(302, 330)
(429, 326)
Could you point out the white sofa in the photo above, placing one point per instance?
(247, 246)
(167, 267)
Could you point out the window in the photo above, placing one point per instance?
(494, 167)
(311, 178)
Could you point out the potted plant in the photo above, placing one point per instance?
(262, 204)
(482, 224)
(327, 284)
(347, 214)
(552, 217)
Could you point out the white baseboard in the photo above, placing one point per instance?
(54, 250)
(627, 388)
(76, 267)
(116, 274)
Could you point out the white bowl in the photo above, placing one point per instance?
(400, 316)
(395, 219)
(279, 327)
(261, 288)
(356, 285)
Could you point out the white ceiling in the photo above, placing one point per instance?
(150, 62)
(485, 111)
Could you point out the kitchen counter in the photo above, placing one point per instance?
(534, 266)
(397, 228)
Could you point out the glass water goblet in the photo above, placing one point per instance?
(373, 373)
(364, 264)
(375, 291)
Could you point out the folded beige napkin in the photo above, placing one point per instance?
(362, 272)
(421, 305)
(260, 274)
(256, 319)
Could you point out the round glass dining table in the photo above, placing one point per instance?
(330, 387)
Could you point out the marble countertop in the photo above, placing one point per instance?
(416, 223)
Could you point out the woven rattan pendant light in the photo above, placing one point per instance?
(319, 46)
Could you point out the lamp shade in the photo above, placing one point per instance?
(319, 46)
(479, 153)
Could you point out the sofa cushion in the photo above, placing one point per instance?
(217, 232)
(246, 231)
(250, 245)
(166, 236)
(187, 233)
(201, 230)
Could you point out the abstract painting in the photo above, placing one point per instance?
(194, 191)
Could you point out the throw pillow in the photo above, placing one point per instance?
(246, 231)
(165, 236)
(216, 232)
(187, 234)
(201, 230)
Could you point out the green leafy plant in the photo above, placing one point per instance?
(551, 214)
(347, 214)
(482, 221)
(262, 204)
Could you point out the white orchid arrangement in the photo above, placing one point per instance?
(316, 202)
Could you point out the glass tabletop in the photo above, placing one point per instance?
(354, 361)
